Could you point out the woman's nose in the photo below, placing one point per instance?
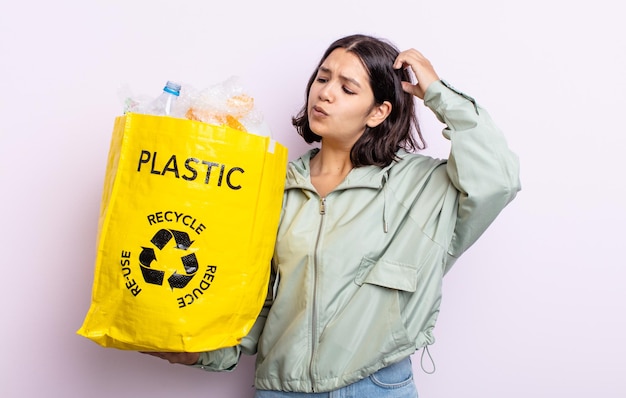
(326, 92)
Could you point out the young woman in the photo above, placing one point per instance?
(368, 227)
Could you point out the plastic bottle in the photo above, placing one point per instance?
(164, 103)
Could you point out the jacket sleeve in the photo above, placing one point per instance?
(480, 166)
(226, 359)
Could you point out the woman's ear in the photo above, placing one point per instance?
(378, 114)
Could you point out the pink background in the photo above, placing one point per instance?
(535, 308)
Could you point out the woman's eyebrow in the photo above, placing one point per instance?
(341, 77)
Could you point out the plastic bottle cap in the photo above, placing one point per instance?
(172, 88)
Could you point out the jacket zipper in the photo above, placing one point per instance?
(314, 306)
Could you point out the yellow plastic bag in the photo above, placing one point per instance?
(186, 234)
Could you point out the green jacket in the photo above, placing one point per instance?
(357, 275)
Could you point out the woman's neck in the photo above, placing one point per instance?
(331, 161)
(328, 169)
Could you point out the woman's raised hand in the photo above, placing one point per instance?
(421, 67)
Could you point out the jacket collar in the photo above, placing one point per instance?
(299, 175)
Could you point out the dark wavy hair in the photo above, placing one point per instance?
(378, 145)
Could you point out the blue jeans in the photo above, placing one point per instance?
(394, 381)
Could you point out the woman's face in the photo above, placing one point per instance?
(341, 101)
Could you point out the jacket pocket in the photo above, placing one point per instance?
(387, 273)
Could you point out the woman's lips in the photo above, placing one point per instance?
(319, 111)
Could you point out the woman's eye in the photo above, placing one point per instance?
(321, 80)
(348, 91)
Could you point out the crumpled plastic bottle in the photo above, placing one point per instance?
(164, 103)
(167, 104)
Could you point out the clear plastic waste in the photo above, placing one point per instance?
(225, 103)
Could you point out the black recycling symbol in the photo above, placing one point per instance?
(148, 255)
